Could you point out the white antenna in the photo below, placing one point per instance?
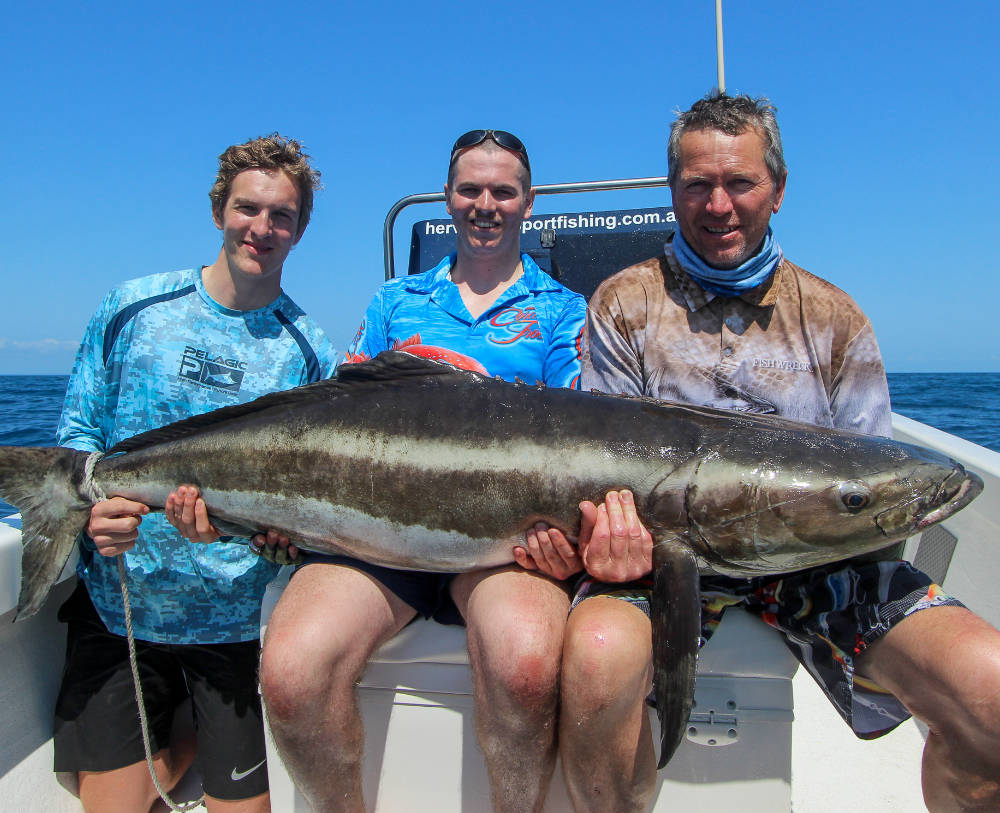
(718, 46)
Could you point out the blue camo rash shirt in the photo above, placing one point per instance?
(160, 349)
(532, 331)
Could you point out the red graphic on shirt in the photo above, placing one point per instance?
(415, 347)
(519, 324)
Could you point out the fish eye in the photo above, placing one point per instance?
(854, 495)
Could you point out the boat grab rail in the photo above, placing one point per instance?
(544, 189)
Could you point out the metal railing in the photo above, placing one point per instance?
(545, 189)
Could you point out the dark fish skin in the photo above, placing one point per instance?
(676, 590)
(414, 464)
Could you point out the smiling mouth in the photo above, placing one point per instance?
(720, 229)
(485, 224)
(257, 249)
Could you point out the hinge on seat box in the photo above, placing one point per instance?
(713, 719)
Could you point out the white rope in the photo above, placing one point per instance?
(143, 722)
(89, 487)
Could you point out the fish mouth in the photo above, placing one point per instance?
(965, 490)
(953, 493)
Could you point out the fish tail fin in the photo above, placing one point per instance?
(44, 484)
(675, 612)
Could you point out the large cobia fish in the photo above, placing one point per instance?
(415, 464)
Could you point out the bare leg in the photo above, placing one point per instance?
(327, 624)
(516, 620)
(128, 789)
(604, 734)
(255, 804)
(944, 665)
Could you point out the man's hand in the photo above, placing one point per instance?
(275, 548)
(186, 511)
(548, 551)
(114, 524)
(614, 545)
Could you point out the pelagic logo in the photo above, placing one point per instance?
(212, 371)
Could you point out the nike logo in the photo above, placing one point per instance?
(236, 776)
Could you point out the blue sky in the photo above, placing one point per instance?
(114, 115)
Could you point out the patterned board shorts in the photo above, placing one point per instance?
(827, 616)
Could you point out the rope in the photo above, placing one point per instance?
(143, 722)
(89, 488)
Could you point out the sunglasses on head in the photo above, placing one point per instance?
(508, 141)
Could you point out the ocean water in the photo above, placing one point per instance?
(964, 404)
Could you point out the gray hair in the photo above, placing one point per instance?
(732, 115)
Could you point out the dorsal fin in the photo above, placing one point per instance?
(395, 364)
(388, 366)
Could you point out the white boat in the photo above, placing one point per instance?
(762, 737)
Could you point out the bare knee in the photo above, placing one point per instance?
(971, 720)
(523, 666)
(326, 625)
(296, 670)
(607, 651)
(518, 661)
(944, 665)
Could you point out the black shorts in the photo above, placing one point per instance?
(97, 720)
(427, 593)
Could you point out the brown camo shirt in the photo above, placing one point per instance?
(796, 346)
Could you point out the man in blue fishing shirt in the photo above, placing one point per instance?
(488, 306)
(159, 349)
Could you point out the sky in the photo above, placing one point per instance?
(114, 115)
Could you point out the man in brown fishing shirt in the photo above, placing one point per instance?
(795, 346)
(722, 319)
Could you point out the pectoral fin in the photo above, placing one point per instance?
(676, 616)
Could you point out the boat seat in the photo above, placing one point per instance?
(421, 752)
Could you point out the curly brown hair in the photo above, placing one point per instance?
(270, 152)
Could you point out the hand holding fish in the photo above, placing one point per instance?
(186, 511)
(614, 544)
(275, 548)
(548, 551)
(114, 524)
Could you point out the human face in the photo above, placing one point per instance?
(488, 203)
(724, 196)
(259, 222)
